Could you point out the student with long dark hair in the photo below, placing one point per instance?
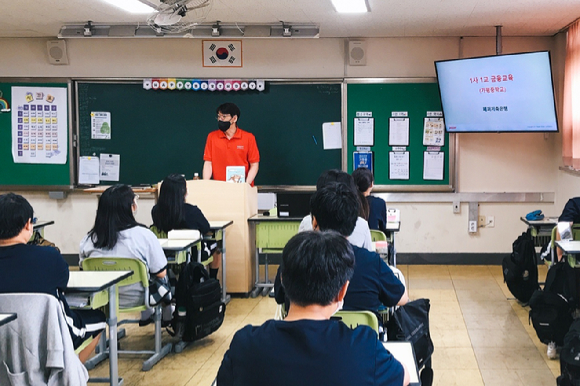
(172, 212)
(376, 207)
(116, 233)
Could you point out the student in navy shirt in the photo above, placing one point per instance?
(307, 348)
(373, 284)
(376, 207)
(35, 269)
(172, 212)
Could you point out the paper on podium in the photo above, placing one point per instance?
(183, 234)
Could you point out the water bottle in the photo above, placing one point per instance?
(196, 176)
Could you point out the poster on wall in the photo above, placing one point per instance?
(39, 125)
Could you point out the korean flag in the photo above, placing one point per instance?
(222, 53)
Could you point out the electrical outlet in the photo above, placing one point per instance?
(456, 207)
(473, 227)
(481, 221)
(490, 221)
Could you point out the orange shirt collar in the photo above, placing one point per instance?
(237, 134)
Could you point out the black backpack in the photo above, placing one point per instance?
(201, 297)
(570, 357)
(410, 323)
(520, 270)
(551, 308)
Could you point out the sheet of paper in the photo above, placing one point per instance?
(433, 165)
(403, 352)
(398, 165)
(364, 131)
(110, 167)
(89, 170)
(331, 135)
(100, 125)
(433, 132)
(235, 174)
(39, 125)
(399, 132)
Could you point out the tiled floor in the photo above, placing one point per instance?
(481, 336)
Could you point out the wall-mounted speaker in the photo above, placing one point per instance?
(56, 52)
(357, 53)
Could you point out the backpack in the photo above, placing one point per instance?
(410, 323)
(201, 297)
(551, 308)
(520, 270)
(570, 357)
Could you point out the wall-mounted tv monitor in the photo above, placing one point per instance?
(495, 94)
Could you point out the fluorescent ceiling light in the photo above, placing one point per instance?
(351, 6)
(132, 6)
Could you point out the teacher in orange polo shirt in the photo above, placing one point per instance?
(229, 149)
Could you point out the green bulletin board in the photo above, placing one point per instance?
(25, 175)
(382, 99)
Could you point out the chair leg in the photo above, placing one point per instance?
(160, 352)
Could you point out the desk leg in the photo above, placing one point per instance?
(225, 297)
(113, 356)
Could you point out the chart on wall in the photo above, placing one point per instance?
(39, 125)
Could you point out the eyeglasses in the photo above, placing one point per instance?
(222, 116)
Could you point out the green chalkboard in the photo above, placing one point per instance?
(382, 99)
(158, 132)
(23, 175)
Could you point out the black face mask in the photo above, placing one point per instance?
(223, 125)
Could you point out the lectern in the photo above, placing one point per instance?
(222, 201)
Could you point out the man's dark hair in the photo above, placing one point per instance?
(336, 208)
(15, 211)
(315, 266)
(229, 108)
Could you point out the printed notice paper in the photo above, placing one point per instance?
(100, 125)
(110, 167)
(398, 165)
(364, 131)
(88, 170)
(433, 166)
(331, 135)
(433, 132)
(39, 125)
(399, 132)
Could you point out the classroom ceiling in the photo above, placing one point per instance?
(388, 18)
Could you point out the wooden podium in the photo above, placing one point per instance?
(222, 201)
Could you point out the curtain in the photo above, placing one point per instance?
(571, 111)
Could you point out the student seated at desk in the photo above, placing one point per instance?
(375, 207)
(307, 348)
(361, 235)
(571, 214)
(172, 212)
(35, 269)
(117, 234)
(373, 284)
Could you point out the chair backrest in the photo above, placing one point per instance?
(378, 235)
(158, 232)
(357, 318)
(140, 273)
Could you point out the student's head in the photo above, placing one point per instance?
(335, 207)
(15, 213)
(363, 178)
(335, 175)
(228, 112)
(114, 214)
(168, 213)
(315, 267)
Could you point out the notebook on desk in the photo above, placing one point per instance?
(403, 352)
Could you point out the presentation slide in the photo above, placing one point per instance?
(504, 93)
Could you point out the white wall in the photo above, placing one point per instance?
(486, 163)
